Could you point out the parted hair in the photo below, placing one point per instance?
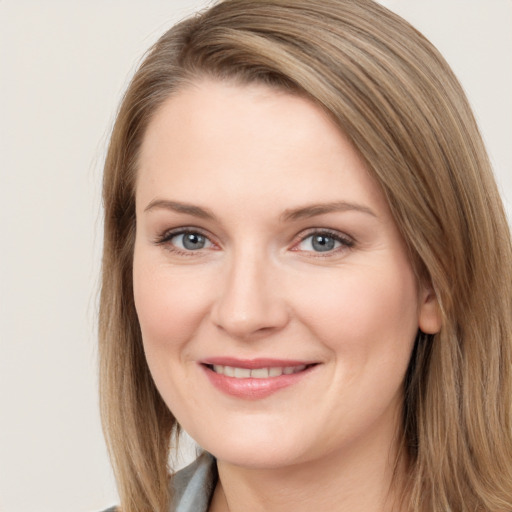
(396, 99)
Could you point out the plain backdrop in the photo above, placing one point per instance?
(63, 68)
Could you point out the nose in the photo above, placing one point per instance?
(250, 302)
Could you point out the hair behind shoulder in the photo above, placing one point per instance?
(394, 96)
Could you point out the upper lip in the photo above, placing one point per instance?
(260, 362)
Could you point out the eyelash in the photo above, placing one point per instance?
(345, 241)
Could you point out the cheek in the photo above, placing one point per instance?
(363, 312)
(169, 307)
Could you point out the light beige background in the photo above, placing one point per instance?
(63, 67)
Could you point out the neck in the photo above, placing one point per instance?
(364, 478)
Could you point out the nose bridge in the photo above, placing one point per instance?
(248, 301)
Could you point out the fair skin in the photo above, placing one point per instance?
(264, 245)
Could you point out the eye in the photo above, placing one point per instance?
(185, 241)
(323, 242)
(190, 241)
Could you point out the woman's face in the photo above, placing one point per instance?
(277, 304)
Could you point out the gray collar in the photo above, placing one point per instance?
(193, 486)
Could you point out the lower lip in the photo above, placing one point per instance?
(253, 389)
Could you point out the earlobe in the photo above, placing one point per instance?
(429, 320)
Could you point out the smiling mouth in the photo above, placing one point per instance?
(254, 379)
(256, 373)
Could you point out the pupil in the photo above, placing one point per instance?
(323, 243)
(193, 241)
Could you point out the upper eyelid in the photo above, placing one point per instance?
(325, 231)
(170, 233)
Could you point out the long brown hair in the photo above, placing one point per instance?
(397, 100)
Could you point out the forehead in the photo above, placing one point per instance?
(220, 138)
(208, 111)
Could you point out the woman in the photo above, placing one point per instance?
(306, 266)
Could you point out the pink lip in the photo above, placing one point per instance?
(251, 388)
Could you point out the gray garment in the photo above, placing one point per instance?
(193, 486)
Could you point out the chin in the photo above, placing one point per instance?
(254, 449)
(255, 457)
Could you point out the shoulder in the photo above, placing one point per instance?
(111, 509)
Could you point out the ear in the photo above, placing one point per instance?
(429, 318)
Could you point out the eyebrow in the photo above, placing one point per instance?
(312, 210)
(176, 206)
(293, 214)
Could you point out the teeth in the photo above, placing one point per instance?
(242, 373)
(260, 373)
(275, 371)
(257, 373)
